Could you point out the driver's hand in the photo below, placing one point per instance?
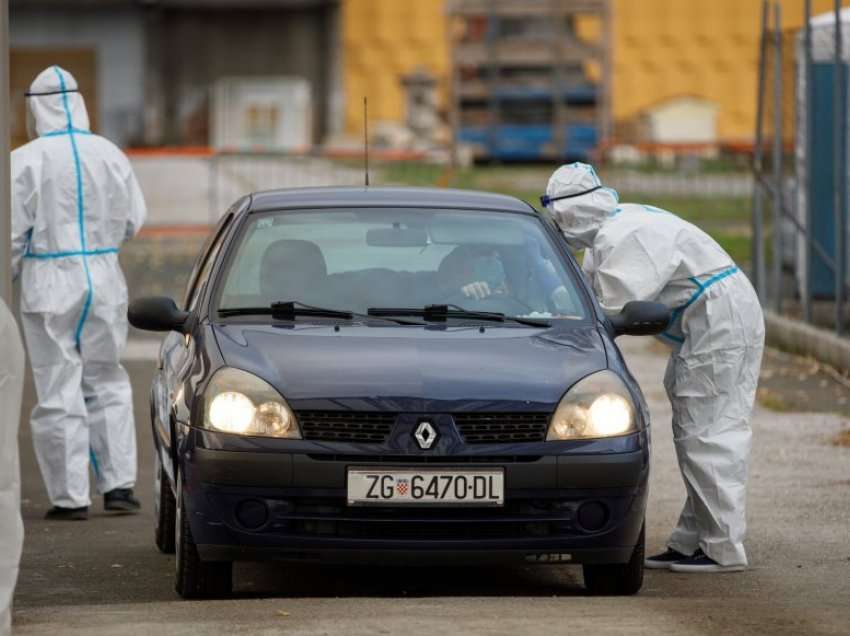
(478, 290)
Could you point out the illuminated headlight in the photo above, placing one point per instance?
(597, 406)
(241, 403)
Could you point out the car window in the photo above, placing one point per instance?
(361, 259)
(201, 271)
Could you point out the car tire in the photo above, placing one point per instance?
(617, 579)
(165, 509)
(195, 578)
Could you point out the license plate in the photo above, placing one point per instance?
(403, 486)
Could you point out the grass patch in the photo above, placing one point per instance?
(737, 246)
(842, 439)
(773, 401)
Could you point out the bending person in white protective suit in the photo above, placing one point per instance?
(638, 252)
(74, 201)
(11, 527)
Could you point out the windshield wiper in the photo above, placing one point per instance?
(291, 309)
(287, 311)
(440, 313)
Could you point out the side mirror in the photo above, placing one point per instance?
(641, 318)
(157, 313)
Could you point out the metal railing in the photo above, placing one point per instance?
(233, 174)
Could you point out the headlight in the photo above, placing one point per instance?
(241, 403)
(597, 406)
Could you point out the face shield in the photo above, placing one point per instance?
(488, 268)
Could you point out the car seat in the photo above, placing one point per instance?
(293, 270)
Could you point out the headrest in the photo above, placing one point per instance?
(291, 266)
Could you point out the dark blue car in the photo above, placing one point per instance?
(395, 375)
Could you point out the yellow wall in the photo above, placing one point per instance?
(384, 40)
(661, 49)
(666, 48)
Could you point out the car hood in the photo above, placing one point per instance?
(414, 369)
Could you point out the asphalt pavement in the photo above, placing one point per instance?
(105, 576)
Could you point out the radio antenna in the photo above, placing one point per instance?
(366, 138)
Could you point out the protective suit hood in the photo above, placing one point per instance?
(53, 99)
(580, 217)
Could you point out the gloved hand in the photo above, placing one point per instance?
(478, 290)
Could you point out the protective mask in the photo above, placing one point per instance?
(489, 269)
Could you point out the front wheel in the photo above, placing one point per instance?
(196, 578)
(617, 579)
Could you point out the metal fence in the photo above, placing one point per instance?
(799, 203)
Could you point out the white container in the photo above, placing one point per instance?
(261, 114)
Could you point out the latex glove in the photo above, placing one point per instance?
(478, 290)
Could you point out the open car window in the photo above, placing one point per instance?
(377, 258)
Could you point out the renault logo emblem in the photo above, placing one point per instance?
(425, 435)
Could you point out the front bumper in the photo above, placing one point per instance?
(566, 506)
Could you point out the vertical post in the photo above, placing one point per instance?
(213, 191)
(778, 149)
(758, 267)
(454, 91)
(607, 80)
(494, 104)
(5, 194)
(807, 149)
(557, 44)
(839, 174)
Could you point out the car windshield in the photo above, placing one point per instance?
(387, 258)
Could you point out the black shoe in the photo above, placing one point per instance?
(121, 500)
(58, 513)
(701, 562)
(664, 560)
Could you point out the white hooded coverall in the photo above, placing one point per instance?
(11, 527)
(75, 199)
(637, 252)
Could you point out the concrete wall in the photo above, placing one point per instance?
(117, 36)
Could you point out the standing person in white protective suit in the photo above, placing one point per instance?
(638, 252)
(74, 201)
(11, 527)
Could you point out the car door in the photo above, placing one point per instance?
(177, 350)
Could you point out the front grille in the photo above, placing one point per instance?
(343, 426)
(488, 428)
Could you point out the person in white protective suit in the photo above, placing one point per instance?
(11, 527)
(638, 252)
(75, 199)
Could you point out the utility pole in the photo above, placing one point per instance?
(5, 175)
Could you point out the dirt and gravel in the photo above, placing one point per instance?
(105, 576)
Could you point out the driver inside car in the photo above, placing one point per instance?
(480, 273)
(476, 272)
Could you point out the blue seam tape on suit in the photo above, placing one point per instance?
(48, 255)
(80, 209)
(94, 463)
(701, 287)
(76, 131)
(84, 252)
